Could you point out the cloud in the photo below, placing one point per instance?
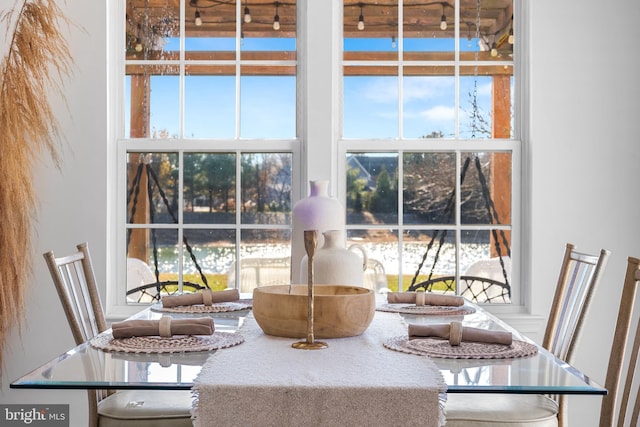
(439, 113)
(385, 89)
(381, 90)
(485, 89)
(427, 87)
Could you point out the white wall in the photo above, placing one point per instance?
(585, 157)
(72, 209)
(582, 146)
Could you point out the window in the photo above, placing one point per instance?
(428, 142)
(225, 115)
(208, 142)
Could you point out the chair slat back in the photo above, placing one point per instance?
(76, 285)
(623, 397)
(580, 274)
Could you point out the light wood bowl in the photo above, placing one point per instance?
(339, 311)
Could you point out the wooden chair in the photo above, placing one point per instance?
(75, 282)
(580, 274)
(621, 405)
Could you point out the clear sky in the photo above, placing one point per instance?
(269, 102)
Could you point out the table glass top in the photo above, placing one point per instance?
(85, 367)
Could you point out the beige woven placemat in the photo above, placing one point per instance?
(434, 310)
(219, 307)
(176, 344)
(466, 350)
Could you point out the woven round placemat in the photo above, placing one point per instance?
(176, 344)
(219, 307)
(466, 350)
(434, 310)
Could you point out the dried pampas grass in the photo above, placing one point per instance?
(36, 61)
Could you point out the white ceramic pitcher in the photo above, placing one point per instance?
(318, 212)
(334, 264)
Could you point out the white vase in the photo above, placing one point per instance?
(317, 212)
(334, 264)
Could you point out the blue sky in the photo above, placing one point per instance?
(268, 103)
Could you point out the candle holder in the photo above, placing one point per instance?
(310, 243)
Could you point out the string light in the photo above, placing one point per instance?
(511, 39)
(443, 20)
(360, 19)
(138, 46)
(198, 20)
(393, 42)
(247, 14)
(276, 18)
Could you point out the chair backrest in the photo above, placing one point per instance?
(623, 397)
(76, 285)
(579, 276)
(256, 272)
(75, 282)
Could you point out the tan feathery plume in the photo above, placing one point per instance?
(36, 61)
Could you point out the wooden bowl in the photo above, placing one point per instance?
(339, 311)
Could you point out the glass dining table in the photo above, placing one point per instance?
(87, 367)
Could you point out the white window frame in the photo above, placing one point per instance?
(321, 153)
(117, 306)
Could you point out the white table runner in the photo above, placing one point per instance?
(353, 382)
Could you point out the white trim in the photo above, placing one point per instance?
(319, 151)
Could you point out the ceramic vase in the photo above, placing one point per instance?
(334, 264)
(318, 212)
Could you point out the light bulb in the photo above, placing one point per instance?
(198, 19)
(138, 44)
(393, 42)
(511, 37)
(494, 50)
(443, 23)
(276, 18)
(247, 15)
(361, 23)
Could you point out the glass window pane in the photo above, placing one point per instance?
(475, 107)
(150, 30)
(485, 265)
(381, 246)
(210, 26)
(209, 48)
(157, 172)
(428, 27)
(489, 31)
(268, 27)
(486, 190)
(370, 31)
(371, 107)
(152, 109)
(264, 259)
(367, 49)
(209, 188)
(207, 256)
(372, 188)
(210, 106)
(268, 105)
(150, 259)
(276, 48)
(429, 183)
(430, 255)
(428, 105)
(266, 188)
